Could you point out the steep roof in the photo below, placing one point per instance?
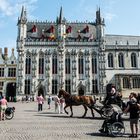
(39, 30)
(121, 39)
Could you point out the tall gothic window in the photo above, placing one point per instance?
(81, 64)
(94, 86)
(54, 86)
(126, 82)
(110, 60)
(11, 72)
(54, 64)
(41, 64)
(68, 86)
(27, 87)
(121, 60)
(136, 82)
(133, 60)
(67, 65)
(94, 65)
(28, 65)
(1, 72)
(1, 85)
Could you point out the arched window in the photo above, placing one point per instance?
(110, 60)
(94, 86)
(126, 82)
(81, 64)
(54, 64)
(41, 64)
(54, 86)
(28, 65)
(133, 60)
(67, 64)
(121, 60)
(136, 82)
(27, 87)
(94, 64)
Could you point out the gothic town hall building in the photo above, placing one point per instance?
(76, 56)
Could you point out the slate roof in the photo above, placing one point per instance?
(77, 30)
(121, 39)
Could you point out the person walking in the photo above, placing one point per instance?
(133, 108)
(49, 102)
(40, 101)
(62, 103)
(57, 104)
(3, 106)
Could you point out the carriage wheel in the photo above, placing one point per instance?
(107, 111)
(117, 129)
(9, 116)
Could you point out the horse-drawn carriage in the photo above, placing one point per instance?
(115, 128)
(104, 110)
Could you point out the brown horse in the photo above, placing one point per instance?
(75, 100)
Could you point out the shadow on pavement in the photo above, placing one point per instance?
(55, 115)
(105, 135)
(30, 110)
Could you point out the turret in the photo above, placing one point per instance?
(1, 55)
(98, 17)
(13, 52)
(61, 26)
(5, 53)
(22, 20)
(100, 23)
(23, 16)
(60, 17)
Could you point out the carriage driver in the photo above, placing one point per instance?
(111, 97)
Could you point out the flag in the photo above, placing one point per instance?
(50, 30)
(51, 37)
(85, 30)
(79, 37)
(42, 36)
(33, 29)
(68, 30)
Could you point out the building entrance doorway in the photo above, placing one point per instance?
(81, 91)
(41, 91)
(11, 92)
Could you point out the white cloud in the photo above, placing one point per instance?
(109, 10)
(5, 8)
(85, 9)
(109, 16)
(11, 9)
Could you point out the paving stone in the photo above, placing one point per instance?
(29, 124)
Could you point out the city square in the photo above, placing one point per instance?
(29, 124)
(86, 48)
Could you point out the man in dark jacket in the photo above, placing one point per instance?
(133, 108)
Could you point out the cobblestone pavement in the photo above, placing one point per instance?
(28, 124)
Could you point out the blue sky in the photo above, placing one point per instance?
(121, 16)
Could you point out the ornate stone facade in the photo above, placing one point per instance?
(8, 66)
(78, 57)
